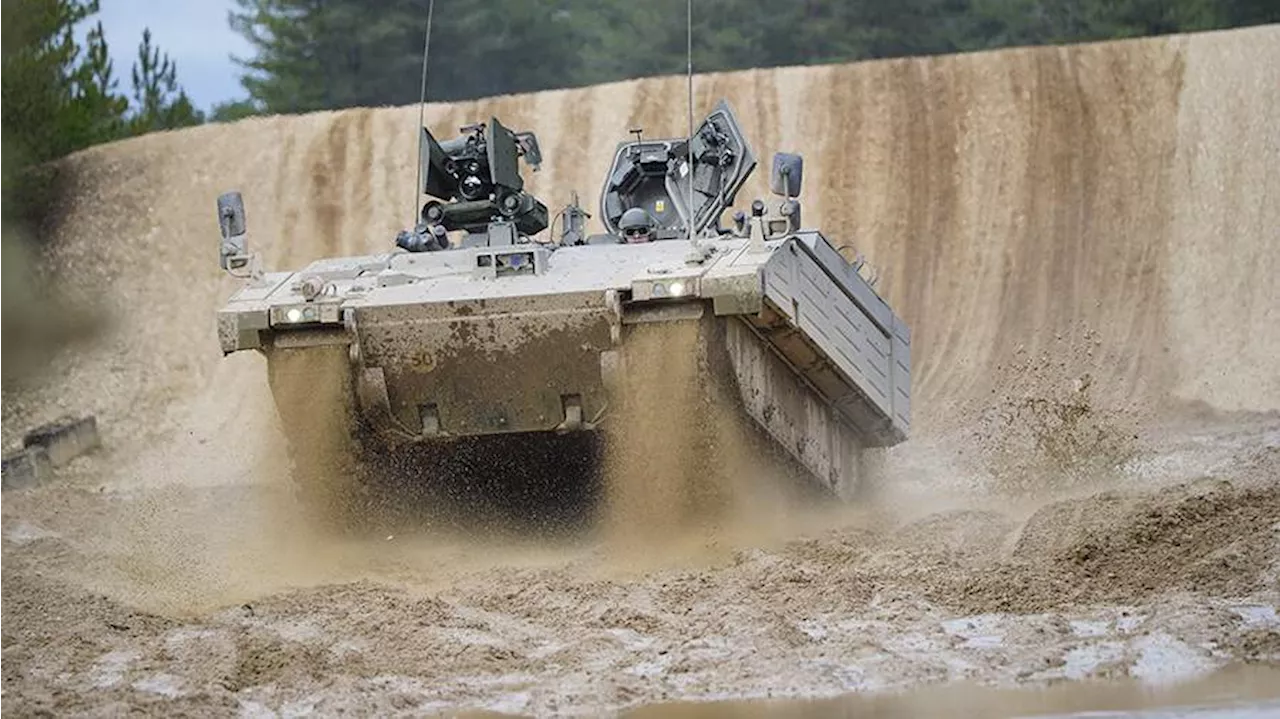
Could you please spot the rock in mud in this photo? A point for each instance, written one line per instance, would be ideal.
(65, 439)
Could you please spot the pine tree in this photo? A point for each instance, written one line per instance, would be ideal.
(101, 107)
(159, 103)
(57, 97)
(319, 54)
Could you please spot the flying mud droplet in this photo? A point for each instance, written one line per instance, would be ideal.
(1057, 436)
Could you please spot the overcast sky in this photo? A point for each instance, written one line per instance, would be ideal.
(194, 33)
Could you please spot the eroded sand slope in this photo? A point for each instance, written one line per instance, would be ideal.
(1037, 216)
(1010, 199)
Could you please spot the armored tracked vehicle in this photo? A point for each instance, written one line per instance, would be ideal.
(486, 354)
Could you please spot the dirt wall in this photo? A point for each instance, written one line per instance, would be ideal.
(1035, 214)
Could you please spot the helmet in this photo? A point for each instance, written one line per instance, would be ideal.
(636, 225)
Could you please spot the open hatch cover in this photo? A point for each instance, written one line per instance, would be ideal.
(655, 175)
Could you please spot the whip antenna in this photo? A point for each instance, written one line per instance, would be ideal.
(689, 144)
(422, 109)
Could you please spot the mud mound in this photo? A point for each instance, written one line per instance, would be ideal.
(971, 533)
(1216, 537)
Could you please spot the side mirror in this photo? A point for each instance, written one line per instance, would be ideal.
(234, 246)
(787, 174)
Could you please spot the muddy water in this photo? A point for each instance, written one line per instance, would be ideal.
(1245, 692)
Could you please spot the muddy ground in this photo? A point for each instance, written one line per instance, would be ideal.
(128, 592)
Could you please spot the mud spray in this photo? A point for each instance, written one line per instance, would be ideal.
(684, 472)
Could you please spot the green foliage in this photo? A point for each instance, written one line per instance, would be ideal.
(234, 110)
(58, 96)
(49, 99)
(318, 54)
(322, 54)
(159, 103)
(1249, 12)
(46, 107)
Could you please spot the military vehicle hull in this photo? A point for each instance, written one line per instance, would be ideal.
(424, 353)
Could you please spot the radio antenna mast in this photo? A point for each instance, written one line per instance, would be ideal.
(689, 143)
(422, 109)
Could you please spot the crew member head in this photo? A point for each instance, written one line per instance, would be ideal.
(636, 226)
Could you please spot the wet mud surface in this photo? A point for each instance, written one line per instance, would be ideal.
(225, 598)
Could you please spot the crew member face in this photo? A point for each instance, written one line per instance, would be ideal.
(636, 234)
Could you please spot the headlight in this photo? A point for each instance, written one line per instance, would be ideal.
(327, 312)
(672, 288)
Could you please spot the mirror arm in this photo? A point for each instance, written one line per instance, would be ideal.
(234, 255)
